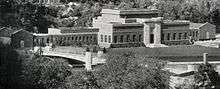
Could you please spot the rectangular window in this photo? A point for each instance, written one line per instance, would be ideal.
(94, 39)
(101, 38)
(197, 33)
(122, 38)
(48, 40)
(134, 38)
(185, 35)
(140, 37)
(72, 38)
(115, 39)
(79, 38)
(174, 36)
(193, 34)
(109, 39)
(87, 38)
(168, 36)
(180, 36)
(76, 38)
(83, 39)
(128, 38)
(162, 37)
(90, 38)
(105, 38)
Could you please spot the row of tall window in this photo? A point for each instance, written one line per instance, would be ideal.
(178, 36)
(79, 38)
(128, 38)
(106, 38)
(73, 38)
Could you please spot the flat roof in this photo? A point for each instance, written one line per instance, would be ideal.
(176, 22)
(131, 11)
(65, 34)
(76, 28)
(126, 24)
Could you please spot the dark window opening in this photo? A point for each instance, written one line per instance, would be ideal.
(109, 39)
(140, 38)
(162, 37)
(185, 36)
(174, 36)
(168, 36)
(151, 38)
(105, 38)
(115, 39)
(83, 39)
(48, 40)
(180, 36)
(122, 38)
(72, 38)
(128, 38)
(76, 38)
(101, 38)
(80, 38)
(87, 38)
(134, 38)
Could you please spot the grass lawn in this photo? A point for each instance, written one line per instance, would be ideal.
(176, 53)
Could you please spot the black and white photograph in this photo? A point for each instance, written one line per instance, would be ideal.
(109, 44)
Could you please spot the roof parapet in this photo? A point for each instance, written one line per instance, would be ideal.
(158, 19)
(132, 11)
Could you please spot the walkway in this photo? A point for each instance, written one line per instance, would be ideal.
(77, 57)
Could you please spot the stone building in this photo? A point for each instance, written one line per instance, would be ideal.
(203, 31)
(119, 28)
(67, 36)
(132, 28)
(22, 39)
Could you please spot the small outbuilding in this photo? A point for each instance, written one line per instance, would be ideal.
(203, 31)
(21, 39)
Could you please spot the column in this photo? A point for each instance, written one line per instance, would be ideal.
(88, 65)
(157, 33)
(146, 34)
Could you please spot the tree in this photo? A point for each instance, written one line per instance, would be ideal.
(8, 13)
(131, 71)
(122, 71)
(45, 73)
(10, 66)
(207, 77)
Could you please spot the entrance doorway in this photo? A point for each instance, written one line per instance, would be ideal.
(151, 38)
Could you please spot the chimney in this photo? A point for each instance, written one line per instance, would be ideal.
(88, 65)
(205, 58)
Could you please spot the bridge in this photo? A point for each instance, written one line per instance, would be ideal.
(78, 58)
